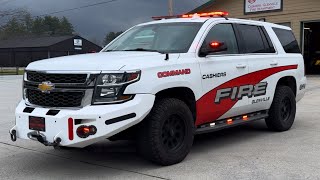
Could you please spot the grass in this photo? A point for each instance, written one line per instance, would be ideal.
(11, 71)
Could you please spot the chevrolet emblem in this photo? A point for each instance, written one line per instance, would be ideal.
(46, 87)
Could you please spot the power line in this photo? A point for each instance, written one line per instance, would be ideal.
(76, 8)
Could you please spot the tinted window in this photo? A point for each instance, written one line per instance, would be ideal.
(252, 39)
(288, 41)
(269, 48)
(223, 33)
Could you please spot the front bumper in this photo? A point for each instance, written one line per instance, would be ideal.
(57, 128)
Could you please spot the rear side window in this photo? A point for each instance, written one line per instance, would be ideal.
(288, 41)
(254, 39)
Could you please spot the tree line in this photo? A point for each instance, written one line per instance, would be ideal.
(23, 24)
(20, 23)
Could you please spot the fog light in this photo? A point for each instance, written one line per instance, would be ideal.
(86, 131)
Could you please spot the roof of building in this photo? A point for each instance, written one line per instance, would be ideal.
(203, 6)
(29, 42)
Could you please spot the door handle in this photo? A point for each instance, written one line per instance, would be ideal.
(241, 66)
(274, 63)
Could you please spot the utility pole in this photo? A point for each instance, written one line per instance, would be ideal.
(170, 7)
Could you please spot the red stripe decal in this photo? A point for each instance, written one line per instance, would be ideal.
(208, 111)
(70, 128)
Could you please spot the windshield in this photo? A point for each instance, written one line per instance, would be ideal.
(163, 38)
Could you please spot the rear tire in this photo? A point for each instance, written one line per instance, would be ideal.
(283, 110)
(166, 135)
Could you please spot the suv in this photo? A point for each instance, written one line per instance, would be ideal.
(162, 82)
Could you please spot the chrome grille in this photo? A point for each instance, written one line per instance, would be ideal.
(55, 99)
(57, 78)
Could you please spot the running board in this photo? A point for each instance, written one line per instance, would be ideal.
(231, 122)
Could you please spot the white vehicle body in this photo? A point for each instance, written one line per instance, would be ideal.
(235, 70)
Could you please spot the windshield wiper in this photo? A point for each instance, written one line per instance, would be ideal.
(144, 50)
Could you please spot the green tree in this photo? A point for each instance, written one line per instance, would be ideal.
(28, 22)
(66, 27)
(110, 37)
(37, 26)
(51, 24)
(23, 24)
(14, 28)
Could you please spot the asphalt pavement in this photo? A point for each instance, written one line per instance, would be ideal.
(247, 152)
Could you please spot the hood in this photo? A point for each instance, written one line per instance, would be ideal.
(104, 61)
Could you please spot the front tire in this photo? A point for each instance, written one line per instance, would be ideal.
(283, 110)
(167, 133)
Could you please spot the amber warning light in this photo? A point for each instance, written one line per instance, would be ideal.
(208, 14)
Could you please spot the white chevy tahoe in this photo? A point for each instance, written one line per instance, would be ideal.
(162, 82)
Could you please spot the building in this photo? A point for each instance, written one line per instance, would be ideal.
(303, 16)
(19, 52)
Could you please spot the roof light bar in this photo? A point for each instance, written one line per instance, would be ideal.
(209, 14)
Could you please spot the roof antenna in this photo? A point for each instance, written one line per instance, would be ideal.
(167, 57)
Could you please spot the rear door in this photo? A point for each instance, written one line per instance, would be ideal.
(263, 63)
(220, 74)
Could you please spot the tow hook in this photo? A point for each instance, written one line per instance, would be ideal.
(13, 135)
(37, 136)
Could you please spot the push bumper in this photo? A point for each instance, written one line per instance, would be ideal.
(108, 120)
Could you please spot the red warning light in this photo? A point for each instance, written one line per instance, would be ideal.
(215, 44)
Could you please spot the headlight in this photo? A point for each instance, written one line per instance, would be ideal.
(110, 87)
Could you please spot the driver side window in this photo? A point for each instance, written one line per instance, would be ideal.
(223, 33)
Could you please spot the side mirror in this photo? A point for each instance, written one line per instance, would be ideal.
(213, 47)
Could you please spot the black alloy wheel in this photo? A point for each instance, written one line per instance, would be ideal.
(173, 132)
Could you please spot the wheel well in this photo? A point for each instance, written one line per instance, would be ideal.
(182, 93)
(289, 81)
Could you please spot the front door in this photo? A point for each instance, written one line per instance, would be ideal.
(221, 77)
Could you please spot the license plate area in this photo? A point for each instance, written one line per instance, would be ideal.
(37, 123)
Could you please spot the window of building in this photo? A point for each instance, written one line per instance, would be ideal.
(223, 33)
(288, 41)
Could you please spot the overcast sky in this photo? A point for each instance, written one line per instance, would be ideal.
(95, 22)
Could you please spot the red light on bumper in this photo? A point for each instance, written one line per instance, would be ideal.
(86, 131)
(70, 129)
